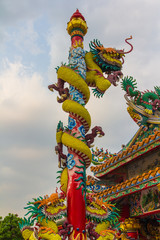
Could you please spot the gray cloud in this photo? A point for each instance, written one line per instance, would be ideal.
(27, 136)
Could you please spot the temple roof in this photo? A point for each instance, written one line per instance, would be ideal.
(138, 146)
(138, 183)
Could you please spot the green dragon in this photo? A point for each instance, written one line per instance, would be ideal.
(144, 107)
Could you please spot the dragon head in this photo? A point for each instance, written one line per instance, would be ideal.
(103, 216)
(108, 59)
(45, 214)
(52, 206)
(104, 66)
(97, 210)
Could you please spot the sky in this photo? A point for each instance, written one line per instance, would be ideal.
(34, 41)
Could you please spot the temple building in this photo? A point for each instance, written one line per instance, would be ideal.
(131, 178)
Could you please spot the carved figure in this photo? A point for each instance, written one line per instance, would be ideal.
(45, 214)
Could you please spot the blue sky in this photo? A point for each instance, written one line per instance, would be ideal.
(34, 41)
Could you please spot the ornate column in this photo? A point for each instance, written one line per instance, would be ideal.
(76, 161)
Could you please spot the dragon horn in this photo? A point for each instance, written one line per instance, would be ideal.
(122, 51)
(126, 40)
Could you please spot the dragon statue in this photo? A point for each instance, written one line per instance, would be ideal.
(45, 216)
(143, 107)
(47, 219)
(100, 156)
(86, 216)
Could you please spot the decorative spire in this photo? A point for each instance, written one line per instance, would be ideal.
(77, 28)
(77, 14)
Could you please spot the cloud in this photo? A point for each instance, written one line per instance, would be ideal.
(58, 50)
(27, 127)
(27, 39)
(20, 10)
(23, 90)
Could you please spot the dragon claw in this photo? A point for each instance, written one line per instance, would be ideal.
(92, 145)
(100, 135)
(62, 98)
